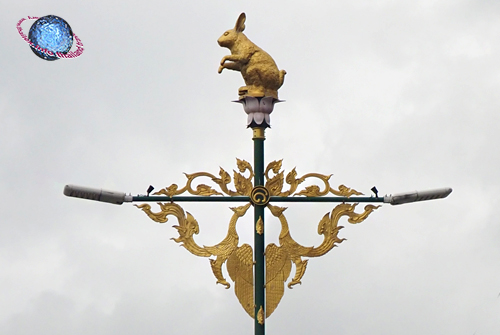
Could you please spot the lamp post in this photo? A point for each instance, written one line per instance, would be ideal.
(259, 273)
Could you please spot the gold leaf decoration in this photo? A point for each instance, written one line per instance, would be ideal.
(278, 267)
(188, 227)
(206, 190)
(223, 181)
(274, 166)
(259, 226)
(275, 184)
(160, 217)
(169, 191)
(243, 166)
(278, 258)
(243, 185)
(310, 191)
(357, 218)
(329, 228)
(279, 262)
(240, 269)
(291, 179)
(260, 316)
(345, 191)
(225, 178)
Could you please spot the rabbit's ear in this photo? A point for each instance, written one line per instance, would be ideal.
(240, 23)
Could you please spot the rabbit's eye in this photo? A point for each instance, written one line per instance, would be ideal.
(226, 33)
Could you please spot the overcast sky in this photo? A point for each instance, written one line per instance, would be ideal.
(402, 95)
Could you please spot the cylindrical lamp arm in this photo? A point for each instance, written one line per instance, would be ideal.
(404, 198)
(96, 194)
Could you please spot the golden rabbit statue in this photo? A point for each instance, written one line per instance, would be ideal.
(261, 75)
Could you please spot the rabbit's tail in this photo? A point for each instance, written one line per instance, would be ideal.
(282, 77)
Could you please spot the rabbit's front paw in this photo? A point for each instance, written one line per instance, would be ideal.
(223, 60)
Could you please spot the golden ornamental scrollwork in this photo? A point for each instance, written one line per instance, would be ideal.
(279, 259)
(239, 259)
(260, 196)
(242, 184)
(275, 183)
(188, 227)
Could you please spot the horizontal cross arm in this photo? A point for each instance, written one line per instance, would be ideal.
(247, 199)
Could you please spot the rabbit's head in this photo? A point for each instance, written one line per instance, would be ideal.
(229, 37)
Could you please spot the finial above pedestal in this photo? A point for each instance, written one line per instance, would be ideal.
(261, 75)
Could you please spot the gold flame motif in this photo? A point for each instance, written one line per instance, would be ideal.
(242, 184)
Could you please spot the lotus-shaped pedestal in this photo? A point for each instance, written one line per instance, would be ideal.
(258, 110)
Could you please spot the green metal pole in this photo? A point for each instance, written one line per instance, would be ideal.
(259, 271)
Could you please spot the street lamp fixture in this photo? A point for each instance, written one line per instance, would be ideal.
(101, 195)
(118, 198)
(260, 272)
(405, 198)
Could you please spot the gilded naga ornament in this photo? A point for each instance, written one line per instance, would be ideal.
(279, 259)
(261, 75)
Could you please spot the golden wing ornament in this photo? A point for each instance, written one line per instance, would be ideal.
(278, 268)
(240, 269)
